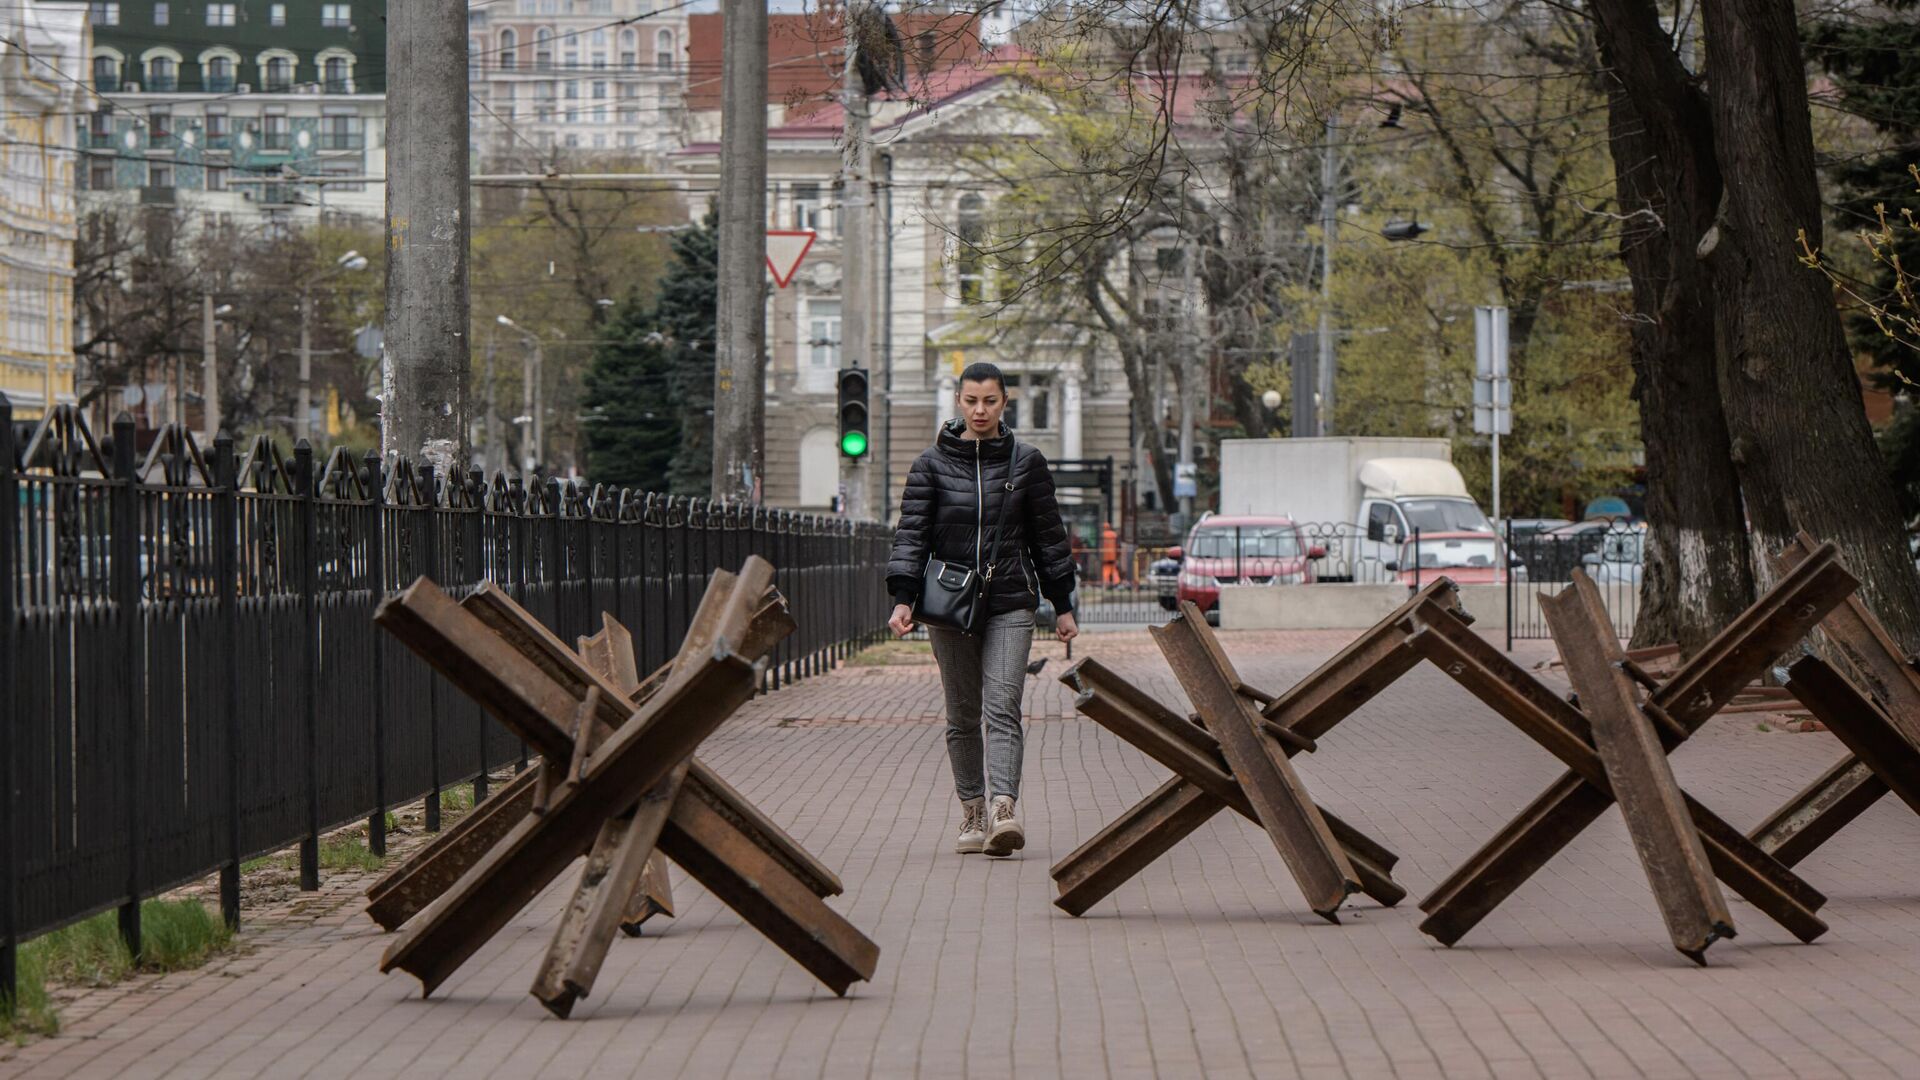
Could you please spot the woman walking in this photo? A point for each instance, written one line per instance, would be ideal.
(980, 499)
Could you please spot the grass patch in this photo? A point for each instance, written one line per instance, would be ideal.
(888, 652)
(349, 852)
(175, 935)
(458, 798)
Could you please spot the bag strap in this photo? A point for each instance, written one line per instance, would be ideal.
(993, 549)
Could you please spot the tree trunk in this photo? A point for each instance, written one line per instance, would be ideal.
(1697, 574)
(1800, 437)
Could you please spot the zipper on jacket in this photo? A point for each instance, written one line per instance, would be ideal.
(979, 508)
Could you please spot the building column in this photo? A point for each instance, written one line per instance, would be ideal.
(1070, 438)
(949, 389)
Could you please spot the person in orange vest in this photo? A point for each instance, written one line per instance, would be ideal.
(1109, 554)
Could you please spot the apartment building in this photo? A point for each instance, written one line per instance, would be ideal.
(248, 111)
(594, 77)
(43, 54)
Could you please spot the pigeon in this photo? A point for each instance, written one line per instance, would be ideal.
(1034, 667)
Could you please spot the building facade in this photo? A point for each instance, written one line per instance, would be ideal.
(936, 310)
(597, 77)
(43, 50)
(249, 112)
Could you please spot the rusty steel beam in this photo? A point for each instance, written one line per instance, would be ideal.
(1298, 830)
(1819, 811)
(1860, 724)
(1109, 859)
(598, 907)
(610, 654)
(1354, 676)
(408, 888)
(1637, 768)
(1573, 802)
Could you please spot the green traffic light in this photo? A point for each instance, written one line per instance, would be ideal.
(853, 443)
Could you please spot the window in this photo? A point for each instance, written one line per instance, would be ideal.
(221, 14)
(1254, 542)
(819, 468)
(160, 129)
(599, 38)
(276, 132)
(1170, 260)
(216, 178)
(160, 175)
(573, 90)
(806, 206)
(1030, 407)
(600, 61)
(336, 16)
(276, 14)
(100, 176)
(279, 74)
(1383, 522)
(100, 129)
(341, 132)
(971, 231)
(106, 74)
(629, 115)
(629, 60)
(663, 50)
(543, 91)
(629, 90)
(161, 15)
(543, 49)
(219, 132)
(543, 113)
(104, 14)
(573, 116)
(163, 77)
(573, 141)
(822, 347)
(509, 50)
(599, 142)
(599, 90)
(629, 49)
(573, 59)
(218, 74)
(336, 75)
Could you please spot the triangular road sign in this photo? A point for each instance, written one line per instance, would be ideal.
(785, 249)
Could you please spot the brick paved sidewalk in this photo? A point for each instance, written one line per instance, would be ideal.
(1207, 964)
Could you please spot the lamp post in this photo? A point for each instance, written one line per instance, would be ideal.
(531, 404)
(303, 412)
(210, 364)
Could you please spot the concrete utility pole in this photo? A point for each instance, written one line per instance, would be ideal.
(1329, 225)
(1190, 367)
(740, 363)
(209, 370)
(424, 372)
(856, 233)
(303, 409)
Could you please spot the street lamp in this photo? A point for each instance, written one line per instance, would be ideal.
(531, 406)
(352, 261)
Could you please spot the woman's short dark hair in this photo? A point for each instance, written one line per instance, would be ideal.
(981, 371)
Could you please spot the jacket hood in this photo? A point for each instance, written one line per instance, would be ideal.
(953, 440)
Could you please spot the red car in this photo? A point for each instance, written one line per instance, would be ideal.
(1467, 558)
(1243, 551)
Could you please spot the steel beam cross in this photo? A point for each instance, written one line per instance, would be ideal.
(1678, 707)
(615, 782)
(1207, 781)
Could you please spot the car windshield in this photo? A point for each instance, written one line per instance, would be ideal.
(1442, 554)
(1256, 542)
(1445, 515)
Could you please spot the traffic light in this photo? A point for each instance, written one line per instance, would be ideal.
(853, 412)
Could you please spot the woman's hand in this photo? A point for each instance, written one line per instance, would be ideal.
(902, 621)
(1066, 627)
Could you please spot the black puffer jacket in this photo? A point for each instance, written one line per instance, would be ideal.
(940, 518)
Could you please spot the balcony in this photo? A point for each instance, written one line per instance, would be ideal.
(342, 140)
(99, 140)
(277, 140)
(157, 196)
(219, 144)
(277, 86)
(106, 84)
(341, 85)
(162, 84)
(220, 84)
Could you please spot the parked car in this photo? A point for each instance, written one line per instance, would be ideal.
(1243, 551)
(1163, 576)
(1620, 558)
(1468, 558)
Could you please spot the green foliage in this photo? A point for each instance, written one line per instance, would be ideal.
(349, 852)
(649, 391)
(174, 934)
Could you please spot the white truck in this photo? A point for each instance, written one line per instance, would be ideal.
(1360, 498)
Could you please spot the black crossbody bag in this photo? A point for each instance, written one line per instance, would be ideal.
(954, 597)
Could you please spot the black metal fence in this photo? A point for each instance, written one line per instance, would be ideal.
(1611, 552)
(190, 671)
